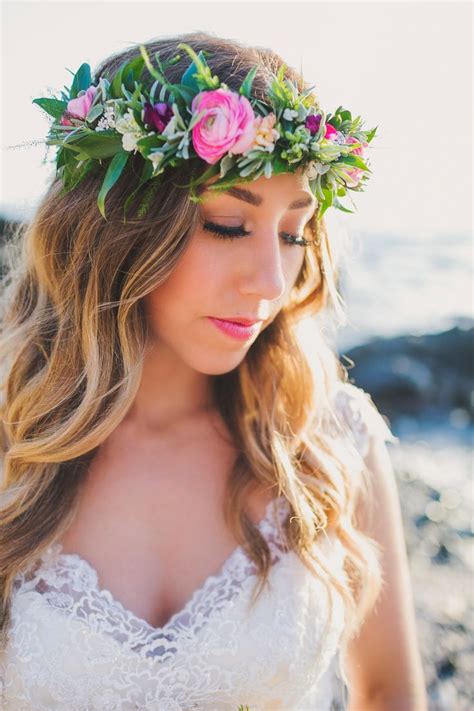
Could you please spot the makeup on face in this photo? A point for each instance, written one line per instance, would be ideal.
(212, 222)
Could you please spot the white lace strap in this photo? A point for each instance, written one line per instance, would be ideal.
(359, 412)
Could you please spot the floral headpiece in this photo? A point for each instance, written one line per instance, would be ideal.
(237, 137)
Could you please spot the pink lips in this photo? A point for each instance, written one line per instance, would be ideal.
(236, 330)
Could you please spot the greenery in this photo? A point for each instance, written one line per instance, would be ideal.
(112, 125)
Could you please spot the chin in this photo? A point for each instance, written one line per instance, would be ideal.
(220, 364)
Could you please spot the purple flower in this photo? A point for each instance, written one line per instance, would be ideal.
(157, 116)
(313, 123)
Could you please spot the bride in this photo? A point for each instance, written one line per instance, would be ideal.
(198, 509)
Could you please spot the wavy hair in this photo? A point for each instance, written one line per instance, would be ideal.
(74, 335)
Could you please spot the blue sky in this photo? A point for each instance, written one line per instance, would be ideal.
(405, 66)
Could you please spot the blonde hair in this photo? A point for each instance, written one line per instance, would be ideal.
(73, 340)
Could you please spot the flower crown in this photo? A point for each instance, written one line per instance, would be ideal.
(235, 136)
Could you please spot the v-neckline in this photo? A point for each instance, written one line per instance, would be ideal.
(55, 552)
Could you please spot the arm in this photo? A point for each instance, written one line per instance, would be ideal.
(383, 663)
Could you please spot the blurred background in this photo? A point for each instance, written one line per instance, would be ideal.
(406, 253)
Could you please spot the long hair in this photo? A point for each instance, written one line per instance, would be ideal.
(74, 334)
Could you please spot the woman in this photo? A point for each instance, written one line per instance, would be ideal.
(198, 509)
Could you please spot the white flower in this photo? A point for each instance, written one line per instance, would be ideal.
(171, 129)
(156, 157)
(129, 141)
(130, 129)
(107, 119)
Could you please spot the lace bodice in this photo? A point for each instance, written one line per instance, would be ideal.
(73, 647)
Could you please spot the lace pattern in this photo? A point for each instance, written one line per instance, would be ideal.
(74, 646)
(70, 584)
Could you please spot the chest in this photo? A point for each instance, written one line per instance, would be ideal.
(150, 519)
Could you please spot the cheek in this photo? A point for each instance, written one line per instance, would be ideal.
(180, 295)
(295, 264)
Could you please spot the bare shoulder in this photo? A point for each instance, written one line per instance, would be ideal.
(386, 666)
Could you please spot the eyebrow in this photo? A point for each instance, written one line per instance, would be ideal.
(254, 199)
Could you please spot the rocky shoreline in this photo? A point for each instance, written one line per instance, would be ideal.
(423, 385)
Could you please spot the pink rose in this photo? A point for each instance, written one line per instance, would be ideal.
(357, 151)
(79, 107)
(226, 127)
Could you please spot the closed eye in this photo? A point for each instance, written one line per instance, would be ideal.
(227, 232)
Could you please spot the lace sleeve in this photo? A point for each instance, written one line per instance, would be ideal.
(359, 412)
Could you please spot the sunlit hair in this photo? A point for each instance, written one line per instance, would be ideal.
(73, 341)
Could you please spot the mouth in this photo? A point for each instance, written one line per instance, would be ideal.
(237, 319)
(239, 328)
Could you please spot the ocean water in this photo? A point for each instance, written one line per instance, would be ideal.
(408, 284)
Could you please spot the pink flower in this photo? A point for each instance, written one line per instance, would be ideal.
(357, 151)
(331, 133)
(313, 123)
(78, 108)
(354, 175)
(226, 127)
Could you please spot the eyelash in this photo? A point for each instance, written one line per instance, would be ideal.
(225, 232)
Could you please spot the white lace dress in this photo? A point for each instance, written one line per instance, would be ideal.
(73, 647)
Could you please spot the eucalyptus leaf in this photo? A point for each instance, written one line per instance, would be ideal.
(94, 113)
(337, 204)
(227, 162)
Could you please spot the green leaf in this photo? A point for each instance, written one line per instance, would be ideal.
(94, 113)
(354, 160)
(246, 86)
(78, 173)
(279, 165)
(208, 173)
(328, 196)
(132, 72)
(127, 74)
(82, 80)
(101, 144)
(114, 171)
(154, 72)
(322, 209)
(188, 79)
(148, 142)
(204, 78)
(185, 92)
(53, 107)
(337, 204)
(148, 197)
(371, 134)
(145, 176)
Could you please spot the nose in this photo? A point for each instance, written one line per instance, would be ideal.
(263, 273)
